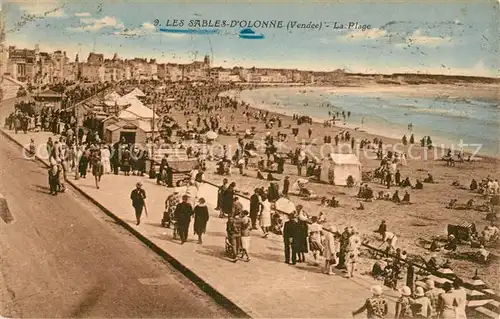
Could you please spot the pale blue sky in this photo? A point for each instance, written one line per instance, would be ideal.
(447, 37)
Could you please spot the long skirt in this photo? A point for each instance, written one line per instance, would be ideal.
(245, 243)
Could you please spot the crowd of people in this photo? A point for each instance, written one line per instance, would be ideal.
(302, 234)
(424, 302)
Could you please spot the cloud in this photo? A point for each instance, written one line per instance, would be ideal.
(93, 24)
(148, 26)
(369, 34)
(418, 38)
(46, 8)
(145, 28)
(82, 14)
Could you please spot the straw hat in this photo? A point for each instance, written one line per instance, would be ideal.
(405, 291)
(419, 292)
(376, 290)
(430, 284)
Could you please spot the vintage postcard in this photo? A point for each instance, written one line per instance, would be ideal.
(268, 159)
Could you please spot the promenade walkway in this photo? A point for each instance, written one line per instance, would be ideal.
(265, 287)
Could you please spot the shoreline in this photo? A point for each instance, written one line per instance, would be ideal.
(364, 132)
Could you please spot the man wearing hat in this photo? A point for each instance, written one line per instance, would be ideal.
(376, 306)
(433, 294)
(421, 307)
(138, 196)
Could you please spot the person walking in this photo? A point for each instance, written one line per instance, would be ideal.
(376, 307)
(97, 168)
(301, 240)
(403, 305)
(433, 294)
(286, 186)
(265, 216)
(220, 196)
(200, 219)
(106, 162)
(32, 149)
(352, 253)
(138, 196)
(227, 200)
(447, 303)
(289, 232)
(330, 249)
(461, 296)
(233, 229)
(255, 207)
(84, 163)
(246, 226)
(315, 244)
(421, 307)
(183, 213)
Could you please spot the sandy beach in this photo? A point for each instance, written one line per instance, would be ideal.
(415, 224)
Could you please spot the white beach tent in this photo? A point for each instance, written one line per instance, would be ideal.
(335, 169)
(127, 100)
(137, 110)
(111, 98)
(136, 92)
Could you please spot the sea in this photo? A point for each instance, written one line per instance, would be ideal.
(470, 124)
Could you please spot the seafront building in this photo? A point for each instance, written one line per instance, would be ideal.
(37, 68)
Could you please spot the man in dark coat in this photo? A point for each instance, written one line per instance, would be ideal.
(137, 196)
(227, 200)
(182, 215)
(220, 196)
(289, 235)
(255, 207)
(286, 186)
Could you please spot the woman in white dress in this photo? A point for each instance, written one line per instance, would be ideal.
(265, 215)
(330, 248)
(105, 154)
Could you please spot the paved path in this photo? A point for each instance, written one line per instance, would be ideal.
(62, 257)
(263, 287)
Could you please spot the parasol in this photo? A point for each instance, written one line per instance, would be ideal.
(211, 135)
(285, 205)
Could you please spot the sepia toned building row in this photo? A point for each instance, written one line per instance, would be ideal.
(39, 68)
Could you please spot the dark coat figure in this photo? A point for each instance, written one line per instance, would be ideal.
(126, 162)
(138, 196)
(54, 180)
(182, 215)
(300, 241)
(397, 177)
(286, 186)
(115, 158)
(84, 164)
(200, 220)
(227, 200)
(220, 194)
(161, 174)
(290, 230)
(255, 208)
